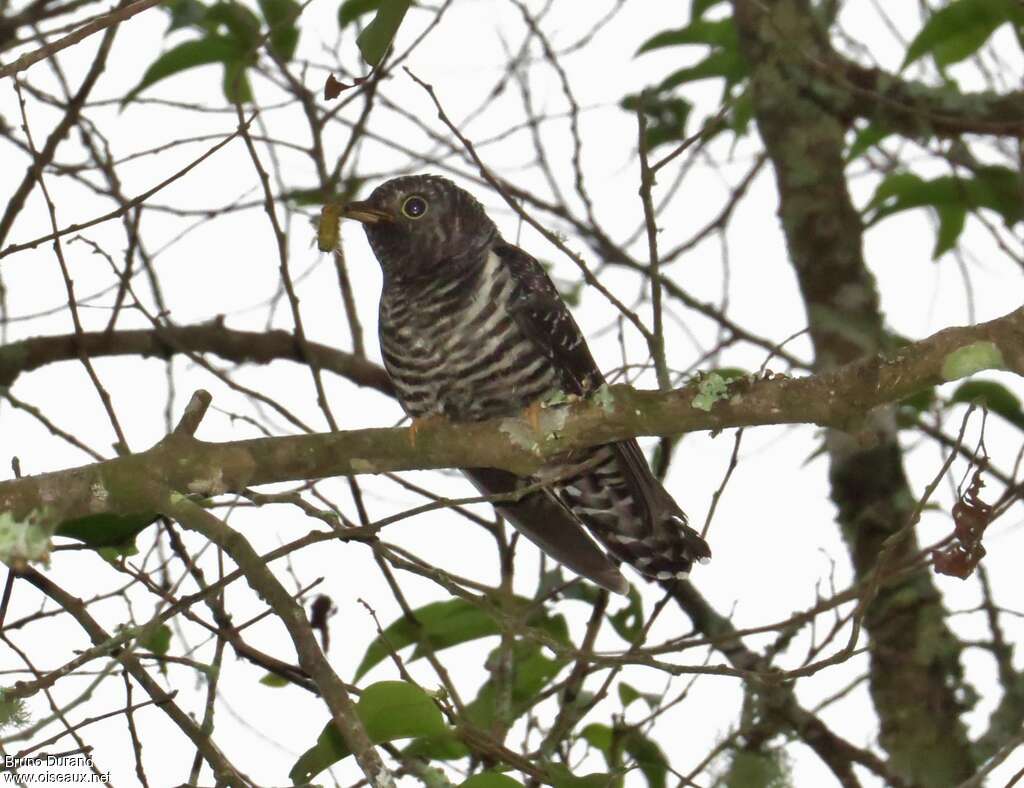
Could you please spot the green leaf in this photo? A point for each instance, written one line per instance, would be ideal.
(351, 10)
(239, 22)
(445, 747)
(561, 777)
(994, 188)
(717, 33)
(994, 396)
(741, 113)
(107, 530)
(389, 710)
(627, 694)
(115, 554)
(629, 620)
(726, 64)
(666, 116)
(865, 139)
(441, 624)
(698, 7)
(909, 409)
(157, 640)
(490, 780)
(601, 737)
(768, 768)
(398, 710)
(531, 672)
(237, 89)
(959, 29)
(644, 752)
(375, 40)
(273, 680)
(328, 750)
(920, 401)
(185, 13)
(648, 756)
(581, 591)
(951, 224)
(901, 191)
(281, 16)
(189, 54)
(998, 189)
(450, 623)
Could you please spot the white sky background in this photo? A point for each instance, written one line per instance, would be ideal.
(773, 535)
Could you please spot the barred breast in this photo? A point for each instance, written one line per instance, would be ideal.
(453, 347)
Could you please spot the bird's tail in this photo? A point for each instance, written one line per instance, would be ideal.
(632, 515)
(667, 552)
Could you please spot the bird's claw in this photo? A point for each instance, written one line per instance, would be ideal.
(419, 423)
(532, 413)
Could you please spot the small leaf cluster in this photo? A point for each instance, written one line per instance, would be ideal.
(667, 112)
(376, 38)
(535, 652)
(951, 198)
(230, 34)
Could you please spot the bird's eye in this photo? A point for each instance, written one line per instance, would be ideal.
(414, 207)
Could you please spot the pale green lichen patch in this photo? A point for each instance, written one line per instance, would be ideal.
(211, 485)
(13, 712)
(99, 494)
(712, 388)
(554, 397)
(359, 465)
(26, 539)
(520, 433)
(972, 358)
(604, 398)
(552, 420)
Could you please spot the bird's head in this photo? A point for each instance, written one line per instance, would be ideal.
(423, 226)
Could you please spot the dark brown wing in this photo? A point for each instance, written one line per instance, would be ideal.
(542, 315)
(548, 524)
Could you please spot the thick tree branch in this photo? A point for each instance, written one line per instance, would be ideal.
(849, 90)
(912, 108)
(840, 398)
(916, 676)
(779, 699)
(241, 347)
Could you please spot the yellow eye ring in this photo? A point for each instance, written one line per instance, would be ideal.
(414, 207)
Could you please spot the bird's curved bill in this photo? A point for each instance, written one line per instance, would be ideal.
(361, 211)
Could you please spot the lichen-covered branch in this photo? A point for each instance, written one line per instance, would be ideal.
(911, 108)
(32, 506)
(915, 676)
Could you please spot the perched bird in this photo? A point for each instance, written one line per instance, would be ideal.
(472, 328)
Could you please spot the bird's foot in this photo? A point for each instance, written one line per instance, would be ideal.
(420, 422)
(533, 414)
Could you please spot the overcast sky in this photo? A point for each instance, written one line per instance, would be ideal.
(773, 536)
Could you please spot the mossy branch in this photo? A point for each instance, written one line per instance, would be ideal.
(839, 399)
